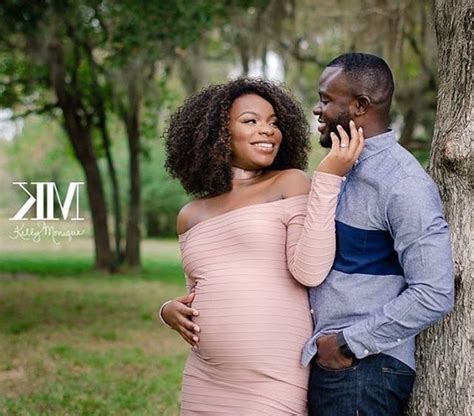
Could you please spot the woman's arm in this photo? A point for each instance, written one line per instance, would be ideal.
(177, 313)
(311, 238)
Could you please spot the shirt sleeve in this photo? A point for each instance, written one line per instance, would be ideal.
(311, 234)
(414, 217)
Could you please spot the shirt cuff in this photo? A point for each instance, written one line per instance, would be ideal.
(327, 178)
(361, 349)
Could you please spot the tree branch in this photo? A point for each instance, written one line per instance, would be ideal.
(295, 51)
(47, 108)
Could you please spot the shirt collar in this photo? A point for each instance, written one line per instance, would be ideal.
(376, 144)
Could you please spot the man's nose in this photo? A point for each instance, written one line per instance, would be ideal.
(317, 109)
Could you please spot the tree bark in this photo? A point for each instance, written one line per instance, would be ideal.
(117, 210)
(444, 351)
(132, 249)
(131, 118)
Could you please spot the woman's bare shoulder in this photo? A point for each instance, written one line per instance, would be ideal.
(187, 216)
(293, 182)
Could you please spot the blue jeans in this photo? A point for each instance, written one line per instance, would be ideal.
(378, 385)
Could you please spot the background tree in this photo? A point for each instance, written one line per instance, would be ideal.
(88, 58)
(45, 69)
(444, 351)
(142, 37)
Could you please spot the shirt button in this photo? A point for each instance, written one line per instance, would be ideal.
(357, 161)
(399, 340)
(366, 352)
(344, 178)
(312, 311)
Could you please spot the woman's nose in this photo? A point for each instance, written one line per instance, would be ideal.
(266, 129)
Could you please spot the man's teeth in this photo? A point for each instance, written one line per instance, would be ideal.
(264, 145)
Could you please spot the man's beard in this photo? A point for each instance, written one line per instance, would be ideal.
(331, 126)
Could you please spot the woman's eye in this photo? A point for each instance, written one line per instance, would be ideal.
(249, 121)
(274, 124)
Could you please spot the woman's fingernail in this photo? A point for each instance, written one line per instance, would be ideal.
(351, 123)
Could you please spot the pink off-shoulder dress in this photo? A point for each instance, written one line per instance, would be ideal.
(249, 267)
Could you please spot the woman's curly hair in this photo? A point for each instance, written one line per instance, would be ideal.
(198, 139)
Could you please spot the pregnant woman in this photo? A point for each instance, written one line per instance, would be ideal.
(250, 242)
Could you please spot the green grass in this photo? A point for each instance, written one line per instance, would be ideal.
(45, 266)
(163, 270)
(75, 342)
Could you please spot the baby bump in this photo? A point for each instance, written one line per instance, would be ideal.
(246, 326)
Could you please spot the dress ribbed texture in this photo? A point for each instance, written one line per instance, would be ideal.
(254, 315)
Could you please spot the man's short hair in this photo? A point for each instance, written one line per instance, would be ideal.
(370, 73)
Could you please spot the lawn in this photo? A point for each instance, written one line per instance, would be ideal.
(75, 342)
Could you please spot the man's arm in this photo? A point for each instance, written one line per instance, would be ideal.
(421, 238)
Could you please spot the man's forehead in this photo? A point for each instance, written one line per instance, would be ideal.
(332, 77)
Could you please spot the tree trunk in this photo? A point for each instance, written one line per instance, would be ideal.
(78, 130)
(82, 144)
(101, 114)
(103, 255)
(409, 123)
(132, 248)
(191, 68)
(117, 210)
(444, 351)
(244, 52)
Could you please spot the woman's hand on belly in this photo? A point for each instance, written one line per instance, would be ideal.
(178, 315)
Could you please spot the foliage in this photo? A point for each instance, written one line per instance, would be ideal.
(41, 152)
(88, 59)
(168, 49)
(163, 197)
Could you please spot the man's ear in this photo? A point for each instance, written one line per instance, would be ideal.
(362, 105)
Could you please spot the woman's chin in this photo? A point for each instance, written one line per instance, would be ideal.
(262, 161)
